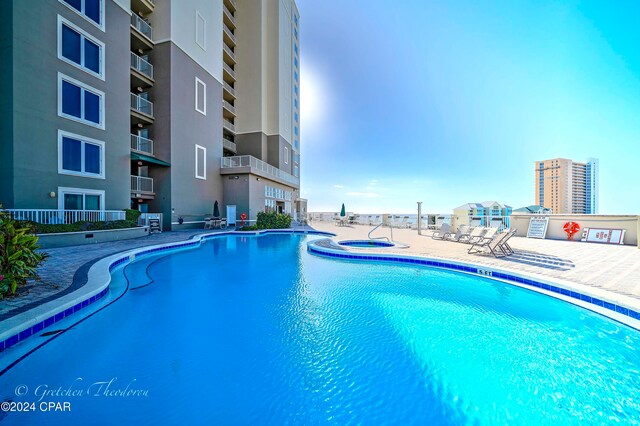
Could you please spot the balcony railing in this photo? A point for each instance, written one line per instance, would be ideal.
(229, 107)
(229, 51)
(141, 184)
(231, 146)
(254, 163)
(230, 70)
(229, 15)
(228, 88)
(143, 27)
(228, 125)
(138, 143)
(139, 64)
(48, 216)
(141, 105)
(230, 33)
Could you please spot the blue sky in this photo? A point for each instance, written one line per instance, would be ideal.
(449, 102)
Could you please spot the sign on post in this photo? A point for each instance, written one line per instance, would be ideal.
(538, 227)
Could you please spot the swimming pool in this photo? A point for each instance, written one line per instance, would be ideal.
(252, 330)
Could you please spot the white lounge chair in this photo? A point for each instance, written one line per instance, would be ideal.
(443, 232)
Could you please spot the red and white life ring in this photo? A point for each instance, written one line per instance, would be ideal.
(571, 228)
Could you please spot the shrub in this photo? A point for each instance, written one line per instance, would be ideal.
(18, 257)
(42, 228)
(273, 220)
(132, 215)
(249, 228)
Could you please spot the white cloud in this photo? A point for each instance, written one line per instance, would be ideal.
(338, 186)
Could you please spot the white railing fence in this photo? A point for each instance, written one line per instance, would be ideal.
(141, 65)
(141, 184)
(254, 163)
(51, 216)
(138, 143)
(141, 105)
(142, 26)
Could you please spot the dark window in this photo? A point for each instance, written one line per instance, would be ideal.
(92, 202)
(92, 10)
(76, 4)
(71, 45)
(71, 103)
(91, 107)
(91, 158)
(72, 201)
(71, 154)
(92, 56)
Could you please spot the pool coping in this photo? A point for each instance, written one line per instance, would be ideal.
(596, 300)
(25, 324)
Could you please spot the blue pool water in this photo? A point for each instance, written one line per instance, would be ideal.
(365, 243)
(254, 330)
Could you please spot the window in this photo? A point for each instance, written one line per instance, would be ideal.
(201, 162)
(295, 88)
(295, 48)
(295, 62)
(286, 155)
(80, 199)
(92, 10)
(295, 75)
(201, 31)
(296, 144)
(80, 156)
(80, 49)
(295, 31)
(201, 97)
(296, 171)
(79, 102)
(295, 103)
(295, 130)
(295, 116)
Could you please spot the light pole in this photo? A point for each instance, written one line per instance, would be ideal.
(419, 217)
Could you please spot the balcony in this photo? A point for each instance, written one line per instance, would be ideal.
(228, 36)
(229, 19)
(141, 185)
(226, 124)
(142, 66)
(142, 107)
(229, 146)
(229, 89)
(232, 4)
(228, 54)
(140, 144)
(250, 164)
(229, 75)
(142, 31)
(227, 106)
(143, 6)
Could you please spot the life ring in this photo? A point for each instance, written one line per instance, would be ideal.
(243, 217)
(571, 228)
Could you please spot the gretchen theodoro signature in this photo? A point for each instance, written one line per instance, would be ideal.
(80, 387)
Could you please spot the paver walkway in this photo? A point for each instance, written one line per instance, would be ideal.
(612, 268)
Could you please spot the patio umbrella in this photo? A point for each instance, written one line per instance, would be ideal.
(216, 209)
(343, 213)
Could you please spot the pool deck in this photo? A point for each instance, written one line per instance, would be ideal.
(603, 269)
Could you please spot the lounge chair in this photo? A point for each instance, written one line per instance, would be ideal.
(504, 246)
(462, 230)
(489, 234)
(489, 246)
(208, 223)
(443, 232)
(474, 236)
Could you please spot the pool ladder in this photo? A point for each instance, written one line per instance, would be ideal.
(380, 238)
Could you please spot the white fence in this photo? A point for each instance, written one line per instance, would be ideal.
(142, 105)
(254, 163)
(429, 221)
(48, 216)
(141, 184)
(142, 26)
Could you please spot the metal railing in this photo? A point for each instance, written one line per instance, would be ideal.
(138, 143)
(50, 216)
(228, 69)
(143, 27)
(141, 105)
(139, 64)
(254, 163)
(230, 33)
(228, 125)
(141, 184)
(228, 88)
(228, 106)
(229, 51)
(229, 15)
(231, 146)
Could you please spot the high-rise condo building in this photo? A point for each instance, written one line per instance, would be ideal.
(164, 106)
(566, 186)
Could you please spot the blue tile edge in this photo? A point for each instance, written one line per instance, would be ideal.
(460, 267)
(129, 257)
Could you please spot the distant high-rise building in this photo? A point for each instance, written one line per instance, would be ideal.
(566, 186)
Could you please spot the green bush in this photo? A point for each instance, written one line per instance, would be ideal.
(132, 215)
(273, 220)
(18, 257)
(42, 228)
(249, 228)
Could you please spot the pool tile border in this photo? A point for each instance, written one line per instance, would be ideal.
(549, 289)
(31, 324)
